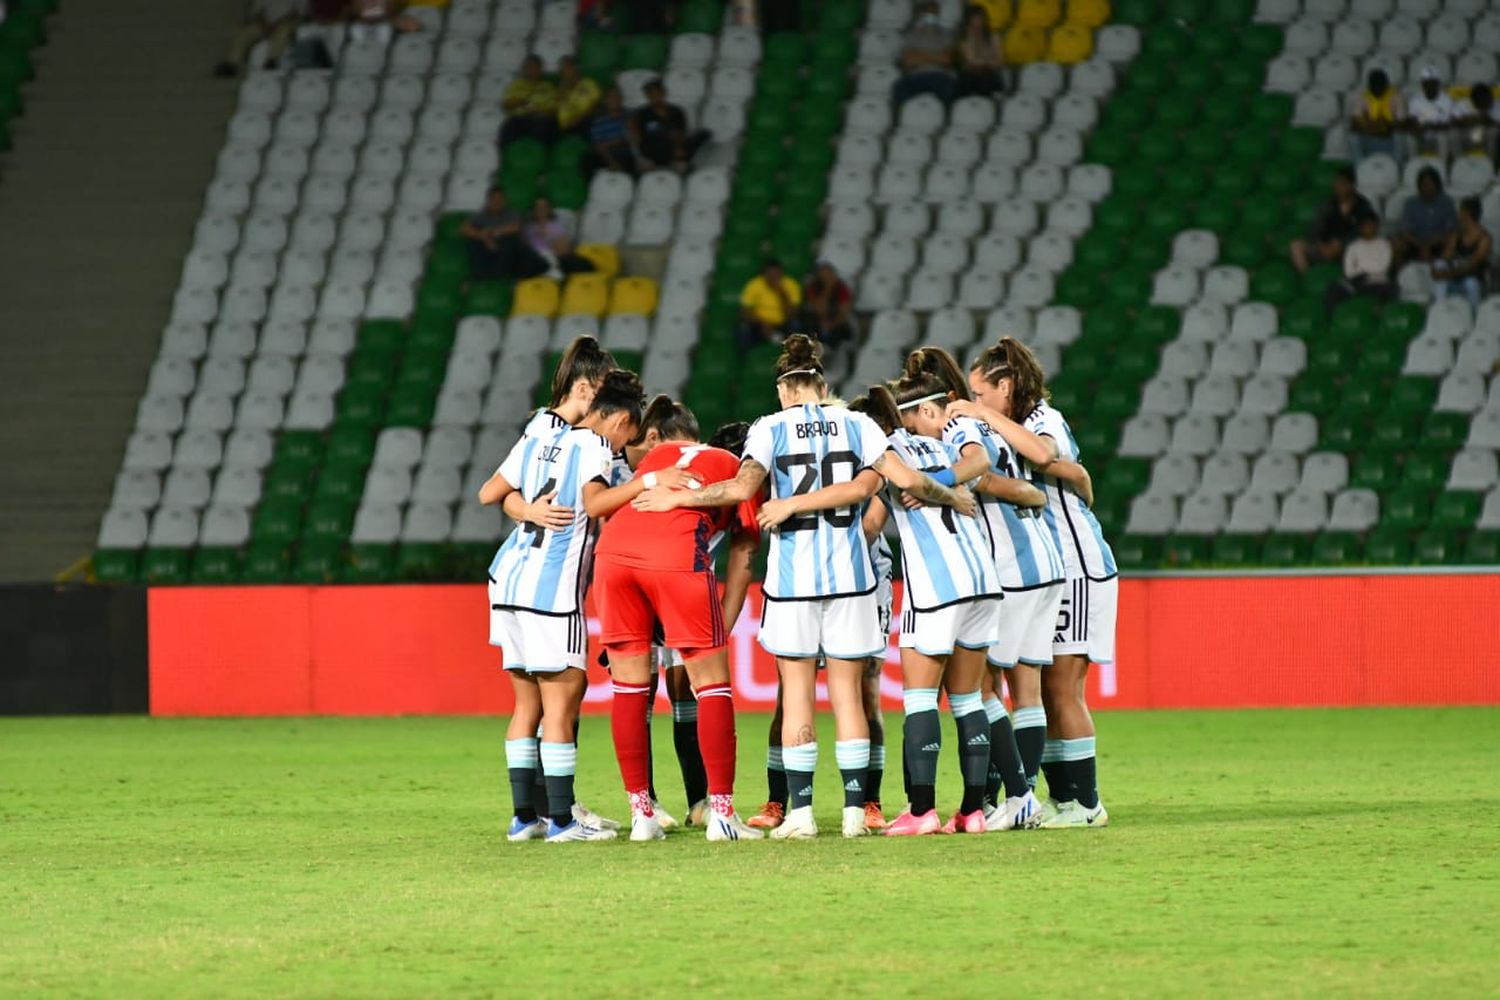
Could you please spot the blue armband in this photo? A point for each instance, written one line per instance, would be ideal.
(944, 477)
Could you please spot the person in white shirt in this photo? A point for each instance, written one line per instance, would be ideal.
(1367, 265)
(273, 20)
(1429, 114)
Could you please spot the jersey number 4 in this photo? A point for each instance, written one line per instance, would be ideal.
(811, 474)
(538, 533)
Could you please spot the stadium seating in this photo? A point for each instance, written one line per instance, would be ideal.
(22, 31)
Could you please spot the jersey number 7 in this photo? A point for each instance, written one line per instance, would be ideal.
(811, 474)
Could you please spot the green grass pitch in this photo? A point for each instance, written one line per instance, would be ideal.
(1306, 853)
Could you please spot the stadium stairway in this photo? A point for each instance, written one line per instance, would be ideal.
(96, 210)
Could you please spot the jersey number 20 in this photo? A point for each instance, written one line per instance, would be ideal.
(813, 474)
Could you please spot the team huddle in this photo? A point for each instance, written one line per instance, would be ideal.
(1006, 575)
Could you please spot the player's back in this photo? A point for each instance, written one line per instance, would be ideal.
(674, 539)
(1079, 538)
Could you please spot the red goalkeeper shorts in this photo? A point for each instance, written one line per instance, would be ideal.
(632, 602)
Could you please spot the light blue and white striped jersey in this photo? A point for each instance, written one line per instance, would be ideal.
(1079, 538)
(882, 560)
(541, 570)
(945, 556)
(803, 449)
(1025, 549)
(620, 471)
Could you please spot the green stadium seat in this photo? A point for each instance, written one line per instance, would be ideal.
(1301, 144)
(369, 564)
(1457, 510)
(1379, 359)
(1445, 430)
(1184, 12)
(385, 337)
(266, 563)
(1157, 148)
(1244, 249)
(1138, 13)
(1336, 548)
(350, 447)
(489, 298)
(1394, 430)
(1414, 394)
(420, 561)
(1483, 549)
(361, 404)
(1304, 319)
(1168, 41)
(1375, 470)
(701, 17)
(1388, 547)
(1275, 283)
(318, 562)
(1406, 508)
(598, 54)
(1438, 546)
(328, 519)
(1314, 392)
(1287, 550)
(1127, 477)
(1425, 471)
(1108, 148)
(1178, 110)
(1317, 279)
(1186, 551)
(277, 522)
(1234, 180)
(165, 566)
(1343, 431)
(214, 565)
(1137, 551)
(1236, 550)
(1258, 42)
(117, 565)
(1078, 288)
(287, 483)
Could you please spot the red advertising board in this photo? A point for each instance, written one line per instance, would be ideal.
(1183, 642)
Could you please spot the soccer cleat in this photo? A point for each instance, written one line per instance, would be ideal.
(729, 827)
(587, 816)
(874, 818)
(961, 822)
(576, 831)
(666, 819)
(907, 825)
(1049, 808)
(798, 825)
(1071, 815)
(854, 822)
(770, 816)
(698, 813)
(1020, 812)
(643, 827)
(522, 830)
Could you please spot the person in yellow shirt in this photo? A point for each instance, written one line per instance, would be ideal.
(1374, 113)
(530, 105)
(768, 306)
(577, 96)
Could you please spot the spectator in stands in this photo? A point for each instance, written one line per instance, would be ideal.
(378, 20)
(1466, 257)
(768, 306)
(979, 60)
(828, 305)
(497, 246)
(660, 132)
(1476, 118)
(552, 239)
(1335, 224)
(1429, 114)
(530, 105)
(609, 137)
(1426, 220)
(577, 96)
(1374, 114)
(926, 58)
(272, 20)
(1367, 265)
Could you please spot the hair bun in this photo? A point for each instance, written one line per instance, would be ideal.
(803, 352)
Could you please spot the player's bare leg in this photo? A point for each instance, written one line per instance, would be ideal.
(709, 674)
(562, 694)
(875, 719)
(685, 742)
(962, 677)
(1072, 743)
(522, 758)
(631, 674)
(922, 739)
(799, 745)
(852, 735)
(774, 811)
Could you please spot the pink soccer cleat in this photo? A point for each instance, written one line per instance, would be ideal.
(966, 822)
(907, 825)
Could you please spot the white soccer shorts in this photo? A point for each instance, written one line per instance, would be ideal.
(971, 624)
(665, 658)
(1028, 621)
(839, 628)
(1086, 619)
(539, 644)
(886, 599)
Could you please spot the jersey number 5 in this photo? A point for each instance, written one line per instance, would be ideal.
(812, 474)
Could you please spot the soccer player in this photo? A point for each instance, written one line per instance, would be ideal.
(820, 585)
(536, 584)
(655, 573)
(1011, 396)
(884, 565)
(1031, 575)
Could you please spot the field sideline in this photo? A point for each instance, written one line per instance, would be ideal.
(1252, 853)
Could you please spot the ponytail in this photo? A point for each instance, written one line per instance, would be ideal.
(940, 365)
(880, 406)
(584, 361)
(918, 385)
(670, 419)
(1013, 360)
(620, 392)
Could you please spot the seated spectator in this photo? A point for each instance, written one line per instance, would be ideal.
(978, 56)
(1429, 114)
(273, 20)
(530, 105)
(1367, 265)
(926, 58)
(768, 306)
(828, 305)
(660, 132)
(577, 96)
(1374, 114)
(1466, 257)
(1426, 220)
(551, 238)
(609, 137)
(1335, 224)
(497, 247)
(378, 20)
(1476, 117)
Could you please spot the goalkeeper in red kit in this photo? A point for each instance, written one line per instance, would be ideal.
(654, 582)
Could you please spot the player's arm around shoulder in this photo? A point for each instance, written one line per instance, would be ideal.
(742, 487)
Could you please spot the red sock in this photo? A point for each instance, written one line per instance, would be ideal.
(628, 721)
(716, 739)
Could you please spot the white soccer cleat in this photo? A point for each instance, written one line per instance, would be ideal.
(1020, 812)
(666, 819)
(1050, 806)
(521, 830)
(798, 825)
(698, 813)
(731, 827)
(643, 828)
(854, 822)
(576, 831)
(1072, 815)
(584, 814)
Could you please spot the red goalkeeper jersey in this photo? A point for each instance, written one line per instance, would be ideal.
(685, 538)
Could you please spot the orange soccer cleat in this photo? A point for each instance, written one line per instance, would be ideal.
(769, 818)
(874, 818)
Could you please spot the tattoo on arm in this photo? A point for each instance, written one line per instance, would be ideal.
(931, 491)
(715, 494)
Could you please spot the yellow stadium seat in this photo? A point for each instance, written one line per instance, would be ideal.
(585, 295)
(605, 258)
(633, 296)
(1070, 44)
(536, 297)
(1087, 13)
(1037, 13)
(1024, 45)
(997, 12)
